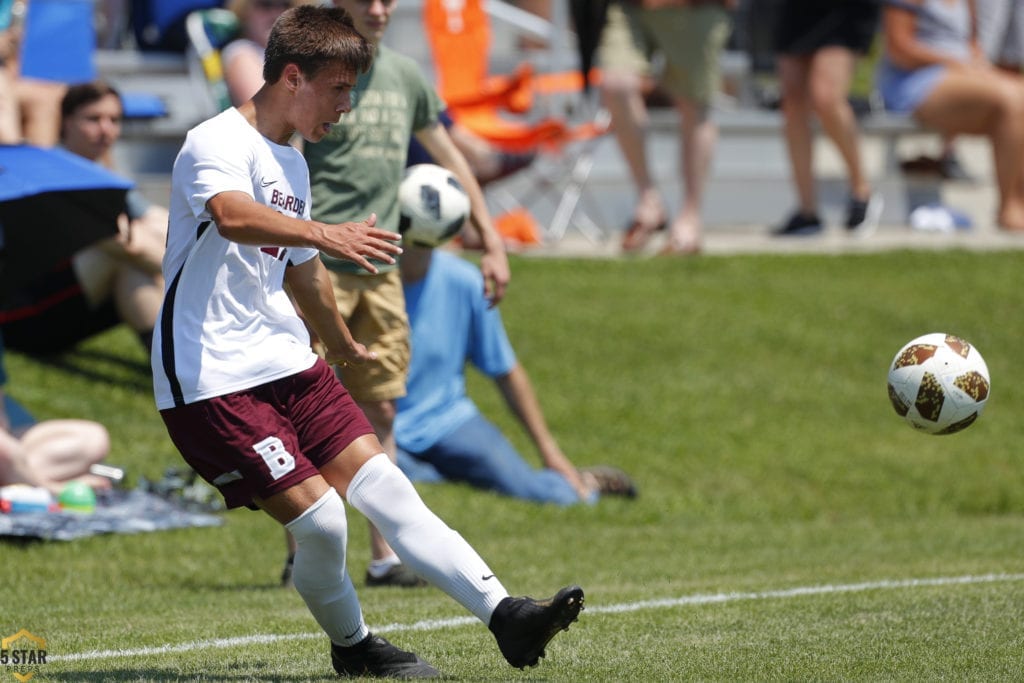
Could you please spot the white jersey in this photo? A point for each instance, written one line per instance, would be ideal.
(226, 323)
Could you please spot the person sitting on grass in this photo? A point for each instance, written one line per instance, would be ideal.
(50, 453)
(440, 432)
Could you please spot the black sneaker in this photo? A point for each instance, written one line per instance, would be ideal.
(951, 169)
(397, 575)
(611, 481)
(862, 215)
(523, 626)
(799, 225)
(374, 656)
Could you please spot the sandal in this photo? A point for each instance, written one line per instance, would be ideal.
(637, 235)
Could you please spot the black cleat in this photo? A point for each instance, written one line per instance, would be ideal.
(376, 657)
(397, 575)
(523, 626)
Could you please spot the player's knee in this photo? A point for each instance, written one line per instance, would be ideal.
(321, 535)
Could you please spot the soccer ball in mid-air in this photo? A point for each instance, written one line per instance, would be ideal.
(939, 383)
(434, 205)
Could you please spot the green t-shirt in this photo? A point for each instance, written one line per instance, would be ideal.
(356, 169)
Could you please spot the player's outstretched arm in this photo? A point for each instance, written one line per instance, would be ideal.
(240, 219)
(310, 287)
(521, 399)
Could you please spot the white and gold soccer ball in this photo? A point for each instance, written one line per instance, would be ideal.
(939, 383)
(433, 203)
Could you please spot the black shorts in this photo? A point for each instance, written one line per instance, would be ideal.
(52, 315)
(806, 26)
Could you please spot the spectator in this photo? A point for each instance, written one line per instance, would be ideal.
(250, 406)
(440, 432)
(49, 453)
(817, 44)
(355, 170)
(116, 280)
(1000, 30)
(29, 107)
(57, 44)
(690, 37)
(934, 69)
(242, 58)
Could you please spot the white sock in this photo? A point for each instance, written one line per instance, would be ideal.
(319, 572)
(379, 568)
(431, 549)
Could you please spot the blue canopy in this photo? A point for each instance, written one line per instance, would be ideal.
(52, 204)
(26, 170)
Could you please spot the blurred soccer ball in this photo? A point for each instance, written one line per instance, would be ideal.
(939, 383)
(433, 203)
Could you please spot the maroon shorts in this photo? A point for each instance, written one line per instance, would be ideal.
(261, 441)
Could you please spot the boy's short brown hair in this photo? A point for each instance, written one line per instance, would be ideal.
(311, 37)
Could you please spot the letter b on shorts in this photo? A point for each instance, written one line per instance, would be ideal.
(278, 459)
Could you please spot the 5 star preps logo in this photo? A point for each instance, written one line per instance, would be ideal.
(22, 654)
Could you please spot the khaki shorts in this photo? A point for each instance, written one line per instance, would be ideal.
(689, 39)
(374, 308)
(624, 46)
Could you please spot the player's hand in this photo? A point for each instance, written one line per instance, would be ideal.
(497, 274)
(360, 242)
(357, 354)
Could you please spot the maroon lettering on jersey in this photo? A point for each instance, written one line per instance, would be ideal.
(288, 203)
(276, 252)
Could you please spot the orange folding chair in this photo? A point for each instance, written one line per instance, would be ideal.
(503, 109)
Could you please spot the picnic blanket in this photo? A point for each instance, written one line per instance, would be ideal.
(117, 512)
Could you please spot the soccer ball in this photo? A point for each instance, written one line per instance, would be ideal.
(433, 204)
(939, 383)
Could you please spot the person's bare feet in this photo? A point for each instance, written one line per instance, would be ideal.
(683, 238)
(1011, 218)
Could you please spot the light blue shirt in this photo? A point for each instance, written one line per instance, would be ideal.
(451, 324)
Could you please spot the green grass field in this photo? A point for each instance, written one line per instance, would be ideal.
(790, 525)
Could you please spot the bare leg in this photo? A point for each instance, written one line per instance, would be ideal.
(13, 469)
(127, 268)
(40, 107)
(794, 73)
(969, 101)
(622, 96)
(138, 297)
(10, 115)
(831, 71)
(699, 135)
(57, 451)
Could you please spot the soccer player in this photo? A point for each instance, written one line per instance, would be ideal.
(246, 401)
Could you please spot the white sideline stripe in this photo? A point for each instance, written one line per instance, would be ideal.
(435, 624)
